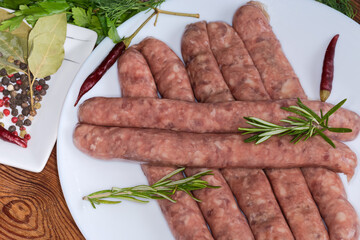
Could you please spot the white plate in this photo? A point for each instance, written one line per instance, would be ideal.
(304, 29)
(78, 45)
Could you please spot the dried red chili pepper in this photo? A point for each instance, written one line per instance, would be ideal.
(117, 51)
(328, 70)
(9, 137)
(109, 60)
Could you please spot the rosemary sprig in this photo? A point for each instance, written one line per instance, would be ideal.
(162, 189)
(306, 125)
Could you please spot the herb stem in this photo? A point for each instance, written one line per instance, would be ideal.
(128, 40)
(196, 15)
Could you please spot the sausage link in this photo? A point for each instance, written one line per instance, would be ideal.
(255, 197)
(235, 63)
(183, 217)
(220, 208)
(134, 75)
(200, 117)
(297, 204)
(169, 73)
(164, 147)
(205, 76)
(253, 27)
(328, 191)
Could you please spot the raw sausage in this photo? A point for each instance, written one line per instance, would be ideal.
(164, 147)
(297, 203)
(205, 76)
(169, 73)
(134, 75)
(235, 63)
(200, 117)
(328, 191)
(252, 25)
(255, 197)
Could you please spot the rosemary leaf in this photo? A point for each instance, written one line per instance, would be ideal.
(307, 109)
(333, 109)
(340, 130)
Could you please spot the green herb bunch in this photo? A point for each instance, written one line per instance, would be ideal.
(162, 189)
(102, 16)
(344, 6)
(306, 125)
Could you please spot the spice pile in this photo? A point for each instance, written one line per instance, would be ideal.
(15, 100)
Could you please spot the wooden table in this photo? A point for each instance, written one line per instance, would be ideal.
(32, 205)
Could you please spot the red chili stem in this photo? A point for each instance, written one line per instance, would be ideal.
(328, 68)
(109, 60)
(9, 137)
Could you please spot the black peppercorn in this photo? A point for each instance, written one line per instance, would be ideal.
(27, 122)
(19, 123)
(15, 112)
(41, 82)
(3, 72)
(6, 92)
(13, 79)
(12, 128)
(25, 112)
(5, 81)
(23, 66)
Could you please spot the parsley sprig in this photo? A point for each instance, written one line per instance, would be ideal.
(162, 189)
(307, 124)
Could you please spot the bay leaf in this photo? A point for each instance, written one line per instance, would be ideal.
(46, 45)
(10, 46)
(22, 32)
(9, 67)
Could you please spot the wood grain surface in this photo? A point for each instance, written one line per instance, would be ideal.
(32, 205)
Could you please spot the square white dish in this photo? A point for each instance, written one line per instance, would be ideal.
(79, 44)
